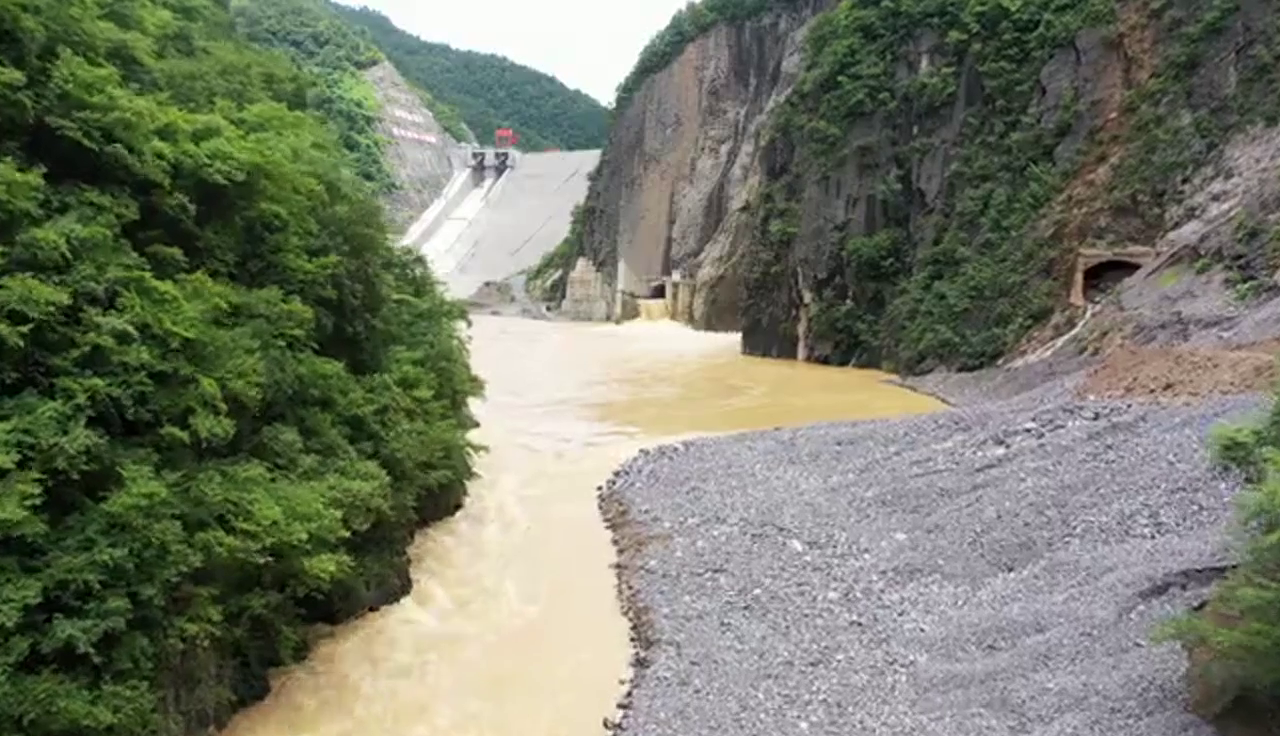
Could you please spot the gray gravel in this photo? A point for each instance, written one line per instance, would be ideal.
(983, 571)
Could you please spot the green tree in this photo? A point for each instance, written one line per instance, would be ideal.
(227, 400)
(1240, 629)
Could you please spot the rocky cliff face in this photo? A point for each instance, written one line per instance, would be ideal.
(909, 188)
(421, 156)
(682, 164)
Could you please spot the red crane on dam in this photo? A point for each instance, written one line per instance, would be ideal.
(505, 138)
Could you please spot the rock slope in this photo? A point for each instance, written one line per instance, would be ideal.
(421, 155)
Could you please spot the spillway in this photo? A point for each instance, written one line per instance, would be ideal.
(488, 226)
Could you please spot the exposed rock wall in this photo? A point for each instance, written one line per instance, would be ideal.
(681, 184)
(682, 163)
(1079, 89)
(422, 157)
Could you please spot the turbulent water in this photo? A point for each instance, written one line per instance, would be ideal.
(512, 628)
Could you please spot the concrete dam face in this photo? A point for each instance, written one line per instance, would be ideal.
(493, 221)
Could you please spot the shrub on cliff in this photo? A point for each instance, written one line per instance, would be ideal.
(1236, 641)
(549, 277)
(227, 400)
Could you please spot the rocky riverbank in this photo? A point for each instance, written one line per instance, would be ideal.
(996, 568)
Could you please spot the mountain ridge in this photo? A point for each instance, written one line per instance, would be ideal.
(490, 91)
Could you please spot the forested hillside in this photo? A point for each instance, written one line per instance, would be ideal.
(491, 91)
(333, 53)
(318, 38)
(228, 401)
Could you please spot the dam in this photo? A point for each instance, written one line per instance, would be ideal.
(513, 626)
(495, 221)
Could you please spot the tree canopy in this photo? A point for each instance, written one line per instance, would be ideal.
(226, 401)
(308, 28)
(489, 90)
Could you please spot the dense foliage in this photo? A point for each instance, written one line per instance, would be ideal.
(225, 400)
(335, 53)
(685, 26)
(1240, 629)
(309, 30)
(491, 91)
(318, 37)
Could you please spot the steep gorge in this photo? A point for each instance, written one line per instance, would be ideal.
(906, 185)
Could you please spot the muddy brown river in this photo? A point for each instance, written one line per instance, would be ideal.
(512, 628)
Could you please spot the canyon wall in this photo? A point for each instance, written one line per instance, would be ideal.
(908, 187)
(682, 164)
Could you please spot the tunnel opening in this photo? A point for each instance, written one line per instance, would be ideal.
(1101, 279)
(657, 291)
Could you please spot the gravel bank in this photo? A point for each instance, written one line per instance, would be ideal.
(988, 570)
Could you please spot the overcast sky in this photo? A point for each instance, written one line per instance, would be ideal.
(588, 44)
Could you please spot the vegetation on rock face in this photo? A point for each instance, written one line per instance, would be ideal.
(1169, 137)
(1183, 115)
(914, 286)
(958, 285)
(548, 278)
(685, 26)
(490, 91)
(1235, 642)
(228, 401)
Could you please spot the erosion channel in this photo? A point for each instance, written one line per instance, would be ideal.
(513, 627)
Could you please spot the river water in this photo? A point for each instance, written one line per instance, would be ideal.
(512, 628)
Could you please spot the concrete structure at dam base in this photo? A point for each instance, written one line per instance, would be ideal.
(589, 297)
(585, 294)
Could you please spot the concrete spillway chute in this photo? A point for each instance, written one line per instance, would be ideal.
(500, 217)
